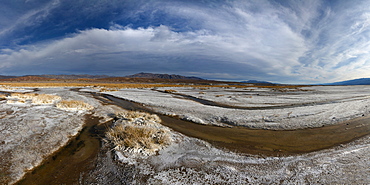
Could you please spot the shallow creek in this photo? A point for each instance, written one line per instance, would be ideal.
(69, 165)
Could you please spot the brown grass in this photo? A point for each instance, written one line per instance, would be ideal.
(170, 91)
(11, 101)
(138, 132)
(132, 116)
(137, 137)
(36, 98)
(45, 99)
(104, 89)
(74, 104)
(23, 96)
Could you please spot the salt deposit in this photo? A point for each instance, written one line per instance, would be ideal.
(309, 107)
(30, 132)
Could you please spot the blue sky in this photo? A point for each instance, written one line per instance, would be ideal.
(308, 41)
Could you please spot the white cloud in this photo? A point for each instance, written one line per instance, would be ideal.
(124, 46)
(302, 41)
(339, 48)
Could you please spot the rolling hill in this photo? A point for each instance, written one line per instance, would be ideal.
(163, 76)
(256, 82)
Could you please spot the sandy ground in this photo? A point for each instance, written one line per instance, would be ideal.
(29, 133)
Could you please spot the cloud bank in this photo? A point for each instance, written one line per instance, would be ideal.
(289, 42)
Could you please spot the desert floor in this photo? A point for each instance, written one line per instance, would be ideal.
(218, 135)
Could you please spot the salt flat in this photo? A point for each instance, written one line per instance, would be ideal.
(191, 161)
(29, 133)
(306, 107)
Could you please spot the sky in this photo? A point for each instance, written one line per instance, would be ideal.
(284, 41)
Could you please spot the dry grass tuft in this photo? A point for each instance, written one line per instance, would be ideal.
(138, 138)
(11, 101)
(74, 105)
(2, 96)
(104, 89)
(170, 91)
(45, 99)
(140, 118)
(23, 96)
(138, 132)
(9, 88)
(36, 98)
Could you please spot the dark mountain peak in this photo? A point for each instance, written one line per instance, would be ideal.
(163, 76)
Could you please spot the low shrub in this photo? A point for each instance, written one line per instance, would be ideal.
(11, 101)
(140, 118)
(134, 137)
(45, 99)
(170, 91)
(104, 89)
(74, 105)
(23, 96)
(36, 98)
(138, 132)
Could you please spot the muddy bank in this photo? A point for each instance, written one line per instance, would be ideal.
(262, 142)
(70, 164)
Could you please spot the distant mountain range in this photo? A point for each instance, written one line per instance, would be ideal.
(26, 78)
(256, 82)
(7, 77)
(163, 76)
(360, 81)
(70, 77)
(99, 77)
